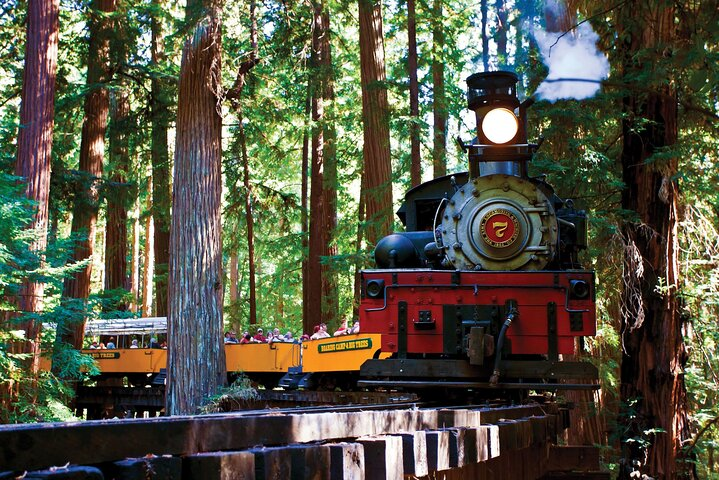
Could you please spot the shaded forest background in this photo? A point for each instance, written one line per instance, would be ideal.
(327, 118)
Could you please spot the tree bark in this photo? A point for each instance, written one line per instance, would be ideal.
(416, 160)
(234, 94)
(37, 110)
(322, 293)
(306, 280)
(439, 105)
(250, 220)
(196, 358)
(161, 95)
(377, 169)
(92, 151)
(134, 281)
(654, 352)
(116, 241)
(148, 263)
(234, 277)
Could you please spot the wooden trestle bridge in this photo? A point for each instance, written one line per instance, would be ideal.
(367, 442)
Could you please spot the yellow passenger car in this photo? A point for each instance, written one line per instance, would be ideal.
(345, 353)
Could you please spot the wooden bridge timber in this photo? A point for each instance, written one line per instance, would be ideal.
(453, 443)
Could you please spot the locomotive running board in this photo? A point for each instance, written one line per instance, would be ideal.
(461, 370)
(410, 384)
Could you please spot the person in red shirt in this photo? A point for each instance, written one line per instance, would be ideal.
(260, 337)
(343, 329)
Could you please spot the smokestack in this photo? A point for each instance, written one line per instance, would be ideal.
(493, 98)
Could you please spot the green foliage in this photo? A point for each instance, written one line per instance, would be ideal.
(23, 396)
(233, 397)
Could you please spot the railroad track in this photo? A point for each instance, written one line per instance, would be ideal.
(103, 402)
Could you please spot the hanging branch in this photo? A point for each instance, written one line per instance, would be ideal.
(236, 90)
(693, 442)
(585, 21)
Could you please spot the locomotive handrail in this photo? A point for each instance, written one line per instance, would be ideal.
(476, 288)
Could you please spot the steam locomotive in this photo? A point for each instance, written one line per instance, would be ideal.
(484, 289)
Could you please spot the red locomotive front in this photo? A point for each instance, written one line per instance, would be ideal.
(485, 286)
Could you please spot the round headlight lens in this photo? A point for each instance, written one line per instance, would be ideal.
(500, 125)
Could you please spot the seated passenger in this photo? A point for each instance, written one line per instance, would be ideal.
(134, 343)
(260, 337)
(227, 337)
(247, 339)
(111, 342)
(275, 336)
(343, 330)
(321, 332)
(304, 337)
(288, 337)
(94, 345)
(233, 338)
(355, 328)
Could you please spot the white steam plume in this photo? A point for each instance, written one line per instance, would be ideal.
(573, 56)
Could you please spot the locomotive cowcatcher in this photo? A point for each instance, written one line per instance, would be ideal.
(484, 288)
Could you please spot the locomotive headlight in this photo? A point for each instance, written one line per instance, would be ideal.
(500, 125)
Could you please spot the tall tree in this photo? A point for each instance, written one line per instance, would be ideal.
(148, 262)
(321, 291)
(234, 94)
(439, 104)
(92, 151)
(377, 171)
(34, 148)
(196, 358)
(416, 160)
(305, 218)
(116, 239)
(654, 353)
(161, 98)
(249, 219)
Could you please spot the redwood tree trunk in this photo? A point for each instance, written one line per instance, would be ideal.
(250, 219)
(234, 277)
(377, 169)
(306, 280)
(160, 107)
(34, 149)
(654, 353)
(439, 148)
(148, 263)
(116, 241)
(416, 160)
(92, 151)
(321, 291)
(196, 358)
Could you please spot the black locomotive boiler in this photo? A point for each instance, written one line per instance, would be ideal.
(484, 288)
